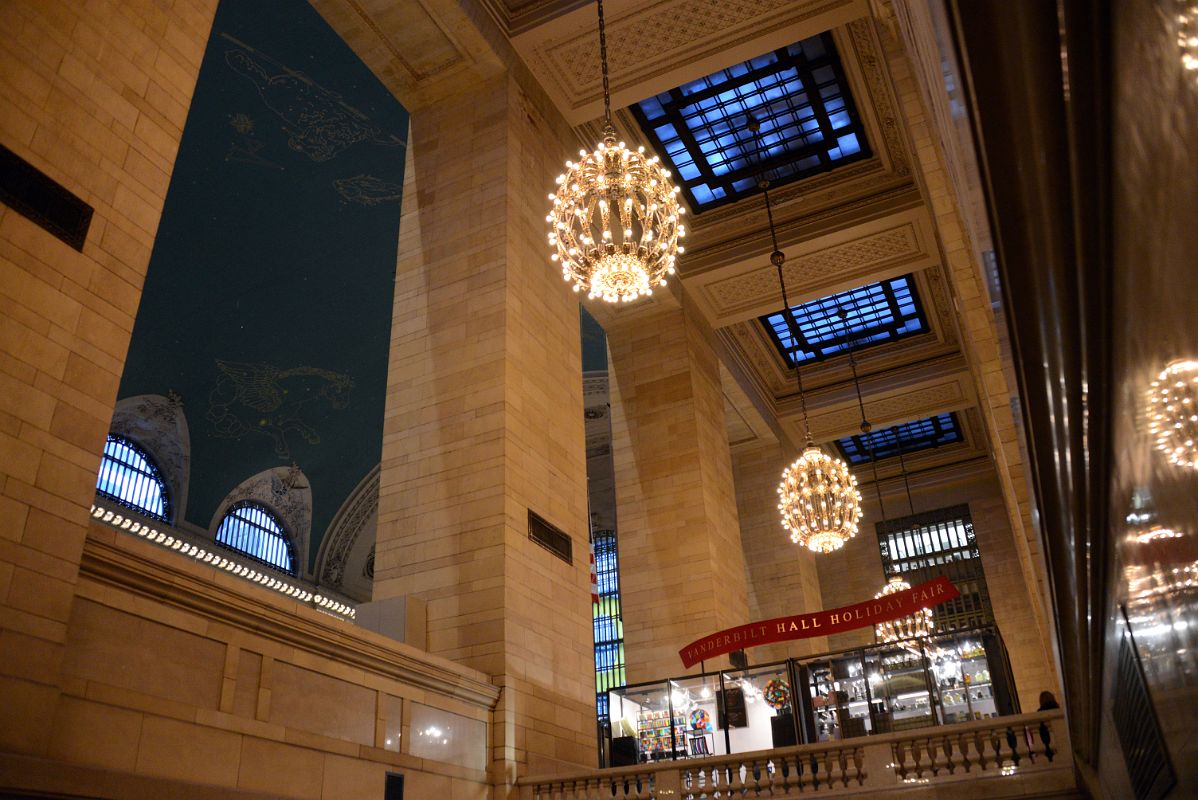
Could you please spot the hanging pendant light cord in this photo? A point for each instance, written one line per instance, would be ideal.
(866, 428)
(609, 129)
(903, 467)
(778, 259)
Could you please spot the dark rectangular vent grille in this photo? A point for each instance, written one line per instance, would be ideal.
(549, 537)
(1139, 732)
(393, 789)
(35, 196)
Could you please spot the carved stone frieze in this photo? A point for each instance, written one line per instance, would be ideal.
(807, 273)
(889, 410)
(357, 516)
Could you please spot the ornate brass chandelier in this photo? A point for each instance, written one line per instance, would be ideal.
(916, 626)
(818, 496)
(615, 222)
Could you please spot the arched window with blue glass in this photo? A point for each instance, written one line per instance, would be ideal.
(254, 530)
(129, 477)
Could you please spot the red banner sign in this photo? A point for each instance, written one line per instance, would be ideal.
(820, 623)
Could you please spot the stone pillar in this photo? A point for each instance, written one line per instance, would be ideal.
(682, 571)
(484, 422)
(96, 99)
(783, 578)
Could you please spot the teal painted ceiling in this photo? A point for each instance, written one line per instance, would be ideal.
(267, 304)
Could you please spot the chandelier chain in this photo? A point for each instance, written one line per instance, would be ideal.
(778, 259)
(603, 65)
(866, 428)
(903, 466)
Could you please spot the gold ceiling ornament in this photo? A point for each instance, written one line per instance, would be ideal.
(616, 220)
(916, 626)
(1173, 412)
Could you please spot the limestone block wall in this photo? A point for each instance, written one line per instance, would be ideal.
(484, 420)
(179, 678)
(95, 96)
(682, 569)
(855, 572)
(782, 578)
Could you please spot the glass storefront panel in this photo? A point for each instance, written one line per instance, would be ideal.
(899, 688)
(696, 706)
(961, 672)
(759, 708)
(644, 725)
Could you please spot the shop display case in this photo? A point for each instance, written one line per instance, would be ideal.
(940, 680)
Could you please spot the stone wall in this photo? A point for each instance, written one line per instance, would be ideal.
(96, 99)
(484, 420)
(177, 674)
(681, 561)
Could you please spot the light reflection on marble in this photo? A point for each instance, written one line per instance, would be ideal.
(444, 736)
(1154, 158)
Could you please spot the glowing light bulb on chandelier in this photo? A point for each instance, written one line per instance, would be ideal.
(1173, 413)
(616, 220)
(916, 626)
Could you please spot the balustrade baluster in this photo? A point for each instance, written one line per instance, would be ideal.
(962, 749)
(979, 743)
(938, 750)
(1046, 740)
(897, 760)
(858, 759)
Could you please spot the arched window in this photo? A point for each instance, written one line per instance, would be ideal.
(251, 529)
(129, 477)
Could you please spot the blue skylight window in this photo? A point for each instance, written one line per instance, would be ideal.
(799, 96)
(128, 476)
(253, 530)
(879, 312)
(909, 437)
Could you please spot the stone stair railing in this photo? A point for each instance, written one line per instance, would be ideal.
(1003, 749)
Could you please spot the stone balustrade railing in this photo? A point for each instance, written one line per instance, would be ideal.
(1002, 749)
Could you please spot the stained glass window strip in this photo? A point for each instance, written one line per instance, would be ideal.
(799, 96)
(908, 437)
(877, 313)
(252, 530)
(128, 477)
(609, 627)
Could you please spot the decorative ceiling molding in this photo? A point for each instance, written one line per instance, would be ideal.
(883, 409)
(816, 267)
(655, 46)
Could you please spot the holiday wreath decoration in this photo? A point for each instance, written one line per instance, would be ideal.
(777, 694)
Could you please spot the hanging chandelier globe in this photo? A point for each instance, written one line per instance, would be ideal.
(819, 501)
(916, 626)
(615, 222)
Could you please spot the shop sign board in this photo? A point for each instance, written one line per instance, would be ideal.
(820, 623)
